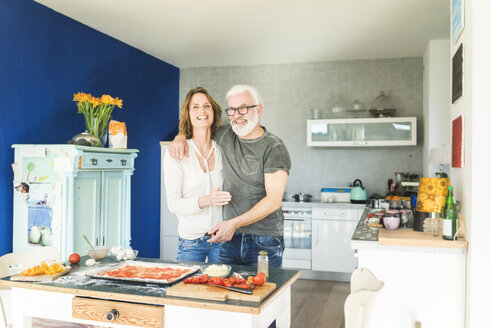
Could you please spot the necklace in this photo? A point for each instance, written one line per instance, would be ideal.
(203, 150)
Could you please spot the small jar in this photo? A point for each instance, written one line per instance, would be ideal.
(262, 263)
(380, 215)
(407, 218)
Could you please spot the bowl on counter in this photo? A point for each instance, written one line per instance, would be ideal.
(391, 222)
(98, 253)
(125, 254)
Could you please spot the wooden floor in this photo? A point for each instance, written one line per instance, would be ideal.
(318, 303)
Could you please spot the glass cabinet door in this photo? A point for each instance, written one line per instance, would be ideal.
(390, 131)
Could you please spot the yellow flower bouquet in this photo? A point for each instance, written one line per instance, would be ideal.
(97, 111)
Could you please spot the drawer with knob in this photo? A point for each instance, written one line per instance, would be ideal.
(117, 312)
(106, 161)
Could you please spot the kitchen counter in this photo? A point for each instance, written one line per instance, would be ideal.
(37, 299)
(424, 276)
(369, 237)
(317, 204)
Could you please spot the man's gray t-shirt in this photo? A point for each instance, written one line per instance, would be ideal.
(244, 164)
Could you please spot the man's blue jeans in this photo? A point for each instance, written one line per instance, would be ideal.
(197, 250)
(244, 248)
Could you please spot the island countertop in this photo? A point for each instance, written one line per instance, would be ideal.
(77, 283)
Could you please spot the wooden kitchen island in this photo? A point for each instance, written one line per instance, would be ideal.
(81, 299)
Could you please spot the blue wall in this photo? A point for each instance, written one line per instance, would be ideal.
(45, 58)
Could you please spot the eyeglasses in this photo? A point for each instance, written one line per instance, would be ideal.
(243, 110)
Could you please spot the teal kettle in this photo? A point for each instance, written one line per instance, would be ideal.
(358, 193)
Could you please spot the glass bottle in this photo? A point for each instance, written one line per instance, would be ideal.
(450, 214)
(262, 263)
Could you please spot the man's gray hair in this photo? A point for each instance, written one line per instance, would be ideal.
(241, 88)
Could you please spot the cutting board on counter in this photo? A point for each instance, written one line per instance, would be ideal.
(41, 277)
(207, 292)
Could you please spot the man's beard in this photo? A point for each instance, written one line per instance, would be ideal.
(242, 131)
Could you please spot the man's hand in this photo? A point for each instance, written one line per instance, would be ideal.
(215, 198)
(178, 148)
(222, 232)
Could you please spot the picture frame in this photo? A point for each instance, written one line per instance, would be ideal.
(458, 142)
(458, 74)
(457, 15)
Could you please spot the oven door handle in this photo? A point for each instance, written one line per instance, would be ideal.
(298, 220)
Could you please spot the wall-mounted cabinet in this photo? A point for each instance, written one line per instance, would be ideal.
(366, 132)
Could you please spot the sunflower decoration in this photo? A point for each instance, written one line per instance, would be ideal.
(432, 193)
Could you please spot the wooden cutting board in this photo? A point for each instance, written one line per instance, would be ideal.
(207, 292)
(41, 277)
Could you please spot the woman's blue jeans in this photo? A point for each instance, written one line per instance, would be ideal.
(197, 250)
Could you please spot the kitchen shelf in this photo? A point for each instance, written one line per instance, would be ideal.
(362, 132)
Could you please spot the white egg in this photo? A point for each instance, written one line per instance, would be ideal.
(129, 253)
(90, 262)
(115, 250)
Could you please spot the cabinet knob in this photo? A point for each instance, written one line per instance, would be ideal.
(109, 160)
(94, 161)
(112, 315)
(123, 162)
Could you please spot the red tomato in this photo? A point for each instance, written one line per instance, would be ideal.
(74, 258)
(259, 279)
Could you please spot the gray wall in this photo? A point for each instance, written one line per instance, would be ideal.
(289, 91)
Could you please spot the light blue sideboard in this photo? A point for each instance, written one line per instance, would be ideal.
(73, 190)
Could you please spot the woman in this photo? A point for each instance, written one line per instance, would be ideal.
(193, 184)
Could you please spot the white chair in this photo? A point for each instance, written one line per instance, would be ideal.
(15, 262)
(364, 285)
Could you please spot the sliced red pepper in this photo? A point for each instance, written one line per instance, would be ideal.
(244, 286)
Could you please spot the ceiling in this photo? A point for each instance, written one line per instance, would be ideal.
(197, 33)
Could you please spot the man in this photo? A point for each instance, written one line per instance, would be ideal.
(255, 171)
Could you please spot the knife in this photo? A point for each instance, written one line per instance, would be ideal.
(235, 289)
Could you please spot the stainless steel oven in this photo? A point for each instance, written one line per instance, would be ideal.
(298, 237)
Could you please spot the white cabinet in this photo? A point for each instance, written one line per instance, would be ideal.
(70, 191)
(420, 284)
(366, 132)
(332, 229)
(168, 220)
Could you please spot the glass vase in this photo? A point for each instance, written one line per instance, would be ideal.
(105, 136)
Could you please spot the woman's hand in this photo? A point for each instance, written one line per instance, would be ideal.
(178, 148)
(215, 198)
